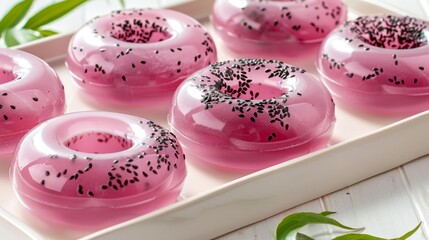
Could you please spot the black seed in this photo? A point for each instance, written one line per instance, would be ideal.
(35, 99)
(421, 68)
(80, 189)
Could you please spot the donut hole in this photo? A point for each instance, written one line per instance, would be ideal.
(98, 143)
(139, 31)
(6, 76)
(390, 32)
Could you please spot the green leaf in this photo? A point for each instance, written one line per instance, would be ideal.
(13, 37)
(15, 15)
(122, 2)
(46, 32)
(408, 234)
(298, 220)
(357, 236)
(300, 236)
(52, 13)
(10, 39)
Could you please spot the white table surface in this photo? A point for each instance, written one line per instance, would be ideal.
(387, 205)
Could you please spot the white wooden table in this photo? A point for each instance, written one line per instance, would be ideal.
(388, 205)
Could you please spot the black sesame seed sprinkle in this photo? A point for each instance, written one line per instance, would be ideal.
(391, 32)
(229, 82)
(126, 172)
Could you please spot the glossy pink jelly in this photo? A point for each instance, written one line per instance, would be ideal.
(138, 56)
(95, 169)
(249, 114)
(30, 92)
(378, 64)
(275, 27)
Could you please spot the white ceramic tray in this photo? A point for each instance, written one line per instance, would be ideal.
(217, 203)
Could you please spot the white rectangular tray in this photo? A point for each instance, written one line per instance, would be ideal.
(220, 202)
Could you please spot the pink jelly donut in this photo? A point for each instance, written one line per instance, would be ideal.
(249, 114)
(378, 64)
(94, 169)
(135, 56)
(30, 92)
(276, 27)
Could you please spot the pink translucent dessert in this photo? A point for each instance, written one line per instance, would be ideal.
(249, 114)
(138, 56)
(95, 169)
(378, 64)
(276, 27)
(30, 92)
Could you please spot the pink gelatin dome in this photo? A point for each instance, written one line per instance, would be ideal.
(137, 56)
(30, 92)
(276, 28)
(90, 170)
(378, 65)
(249, 114)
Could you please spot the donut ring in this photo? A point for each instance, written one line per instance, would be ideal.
(94, 169)
(276, 27)
(30, 92)
(249, 114)
(135, 56)
(368, 69)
